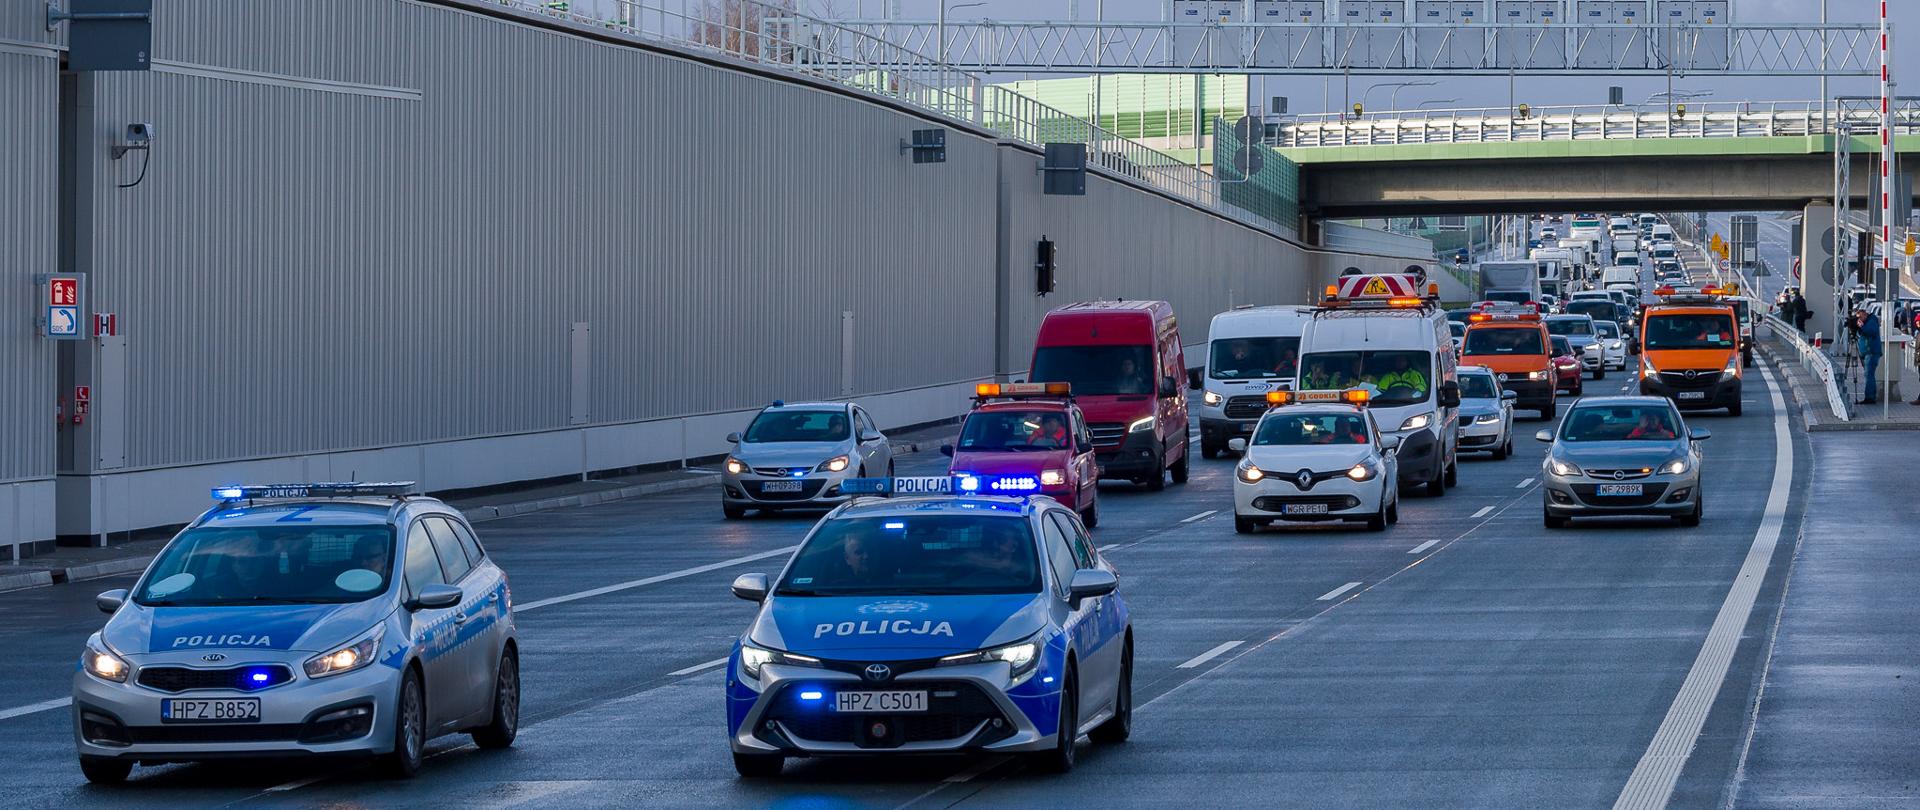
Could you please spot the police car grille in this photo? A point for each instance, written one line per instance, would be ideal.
(953, 709)
(1649, 495)
(185, 679)
(215, 733)
(1107, 434)
(807, 490)
(1245, 407)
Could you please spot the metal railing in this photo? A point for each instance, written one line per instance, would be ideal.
(1589, 123)
(775, 36)
(1814, 361)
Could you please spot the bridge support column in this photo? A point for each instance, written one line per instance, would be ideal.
(1817, 266)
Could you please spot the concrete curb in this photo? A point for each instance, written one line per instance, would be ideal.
(25, 580)
(104, 568)
(1821, 423)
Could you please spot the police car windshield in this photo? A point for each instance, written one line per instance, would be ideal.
(1621, 423)
(1680, 331)
(1569, 326)
(1396, 377)
(280, 565)
(1497, 340)
(1302, 429)
(1016, 430)
(916, 554)
(1479, 386)
(1253, 358)
(798, 426)
(1096, 370)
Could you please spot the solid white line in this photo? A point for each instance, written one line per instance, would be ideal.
(1202, 516)
(1424, 546)
(32, 708)
(1524, 484)
(697, 667)
(1335, 593)
(295, 784)
(1651, 785)
(1209, 655)
(653, 580)
(1483, 511)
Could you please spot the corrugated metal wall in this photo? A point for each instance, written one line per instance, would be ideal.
(29, 169)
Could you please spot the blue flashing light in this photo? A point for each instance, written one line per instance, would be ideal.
(1048, 679)
(259, 677)
(895, 525)
(227, 493)
(799, 472)
(812, 694)
(1021, 483)
(970, 483)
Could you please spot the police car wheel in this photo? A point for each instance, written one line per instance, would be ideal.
(409, 729)
(105, 770)
(759, 766)
(499, 732)
(1060, 758)
(733, 512)
(1120, 726)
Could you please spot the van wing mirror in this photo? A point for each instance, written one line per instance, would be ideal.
(1169, 388)
(1450, 394)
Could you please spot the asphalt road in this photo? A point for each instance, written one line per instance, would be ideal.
(1480, 661)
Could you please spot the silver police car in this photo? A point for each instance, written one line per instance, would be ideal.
(302, 619)
(1623, 456)
(796, 456)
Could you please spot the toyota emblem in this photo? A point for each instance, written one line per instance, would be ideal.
(213, 657)
(1303, 479)
(878, 672)
(1619, 475)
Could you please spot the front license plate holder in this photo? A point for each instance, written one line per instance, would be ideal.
(1303, 509)
(881, 702)
(780, 486)
(209, 710)
(1693, 395)
(1618, 490)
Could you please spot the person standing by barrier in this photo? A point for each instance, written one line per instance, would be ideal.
(1867, 328)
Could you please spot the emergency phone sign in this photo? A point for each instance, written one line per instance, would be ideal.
(61, 319)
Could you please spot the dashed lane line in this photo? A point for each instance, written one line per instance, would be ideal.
(697, 667)
(1483, 511)
(1335, 593)
(1424, 546)
(1209, 655)
(1524, 484)
(652, 580)
(1202, 516)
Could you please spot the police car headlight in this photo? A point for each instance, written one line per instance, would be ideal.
(835, 464)
(102, 664)
(1536, 375)
(1250, 473)
(736, 466)
(1563, 468)
(1416, 422)
(1674, 467)
(347, 657)
(753, 658)
(1360, 472)
(1487, 419)
(1211, 398)
(1140, 424)
(1052, 478)
(1021, 657)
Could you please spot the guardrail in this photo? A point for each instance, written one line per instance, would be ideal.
(1589, 123)
(1814, 361)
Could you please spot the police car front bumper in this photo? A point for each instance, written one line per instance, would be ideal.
(1277, 497)
(813, 490)
(972, 708)
(347, 714)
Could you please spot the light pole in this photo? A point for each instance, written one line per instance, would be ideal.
(1423, 104)
(1392, 98)
(942, 24)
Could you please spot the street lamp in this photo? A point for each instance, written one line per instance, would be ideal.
(944, 8)
(1423, 104)
(1392, 98)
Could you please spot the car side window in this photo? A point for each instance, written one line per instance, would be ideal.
(1076, 539)
(422, 564)
(1059, 556)
(468, 542)
(866, 421)
(1082, 435)
(453, 558)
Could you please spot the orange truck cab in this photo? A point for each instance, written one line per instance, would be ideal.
(1125, 363)
(1690, 351)
(1516, 346)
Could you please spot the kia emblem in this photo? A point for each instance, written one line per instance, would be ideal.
(878, 672)
(213, 657)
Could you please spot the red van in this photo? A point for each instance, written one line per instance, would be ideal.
(1124, 361)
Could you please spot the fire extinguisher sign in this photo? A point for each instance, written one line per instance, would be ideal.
(60, 316)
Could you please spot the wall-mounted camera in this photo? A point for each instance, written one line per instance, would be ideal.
(139, 136)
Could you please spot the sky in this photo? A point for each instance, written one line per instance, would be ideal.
(1309, 94)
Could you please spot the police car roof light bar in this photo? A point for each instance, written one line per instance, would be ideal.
(354, 489)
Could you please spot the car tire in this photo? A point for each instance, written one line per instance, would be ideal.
(1378, 523)
(1120, 726)
(1437, 485)
(1553, 522)
(1453, 472)
(1393, 510)
(733, 512)
(1158, 481)
(1548, 411)
(499, 732)
(1180, 469)
(1243, 525)
(1091, 517)
(1601, 372)
(1734, 409)
(105, 770)
(1699, 510)
(1060, 758)
(409, 729)
(1501, 451)
(1211, 450)
(758, 766)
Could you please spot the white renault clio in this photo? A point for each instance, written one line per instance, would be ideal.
(1317, 456)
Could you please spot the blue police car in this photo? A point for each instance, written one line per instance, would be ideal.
(933, 624)
(302, 619)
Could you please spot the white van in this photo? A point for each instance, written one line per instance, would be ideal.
(1627, 277)
(1407, 346)
(1250, 351)
(1629, 258)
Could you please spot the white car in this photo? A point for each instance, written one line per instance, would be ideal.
(1612, 344)
(1486, 413)
(1316, 456)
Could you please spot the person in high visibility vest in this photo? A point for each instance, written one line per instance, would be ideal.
(1403, 375)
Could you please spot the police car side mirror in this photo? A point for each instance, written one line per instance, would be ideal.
(1091, 582)
(733, 438)
(946, 450)
(1544, 436)
(751, 587)
(435, 597)
(1237, 445)
(1699, 434)
(110, 601)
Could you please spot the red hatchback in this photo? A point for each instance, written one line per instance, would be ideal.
(1567, 375)
(1018, 432)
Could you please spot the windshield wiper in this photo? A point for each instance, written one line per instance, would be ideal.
(796, 592)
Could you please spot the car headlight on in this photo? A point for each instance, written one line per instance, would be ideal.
(736, 466)
(1674, 467)
(753, 658)
(1733, 366)
(1615, 345)
(347, 657)
(1052, 478)
(1646, 368)
(1020, 657)
(1487, 419)
(1536, 375)
(1250, 473)
(1563, 468)
(1360, 472)
(1211, 398)
(1417, 421)
(835, 464)
(1138, 425)
(103, 664)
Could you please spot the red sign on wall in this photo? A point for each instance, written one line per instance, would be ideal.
(82, 393)
(63, 292)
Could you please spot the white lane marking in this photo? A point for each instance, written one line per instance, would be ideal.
(1335, 593)
(979, 768)
(295, 785)
(1483, 511)
(653, 580)
(1209, 655)
(1109, 546)
(1651, 785)
(1424, 546)
(1202, 516)
(697, 667)
(1524, 484)
(32, 708)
